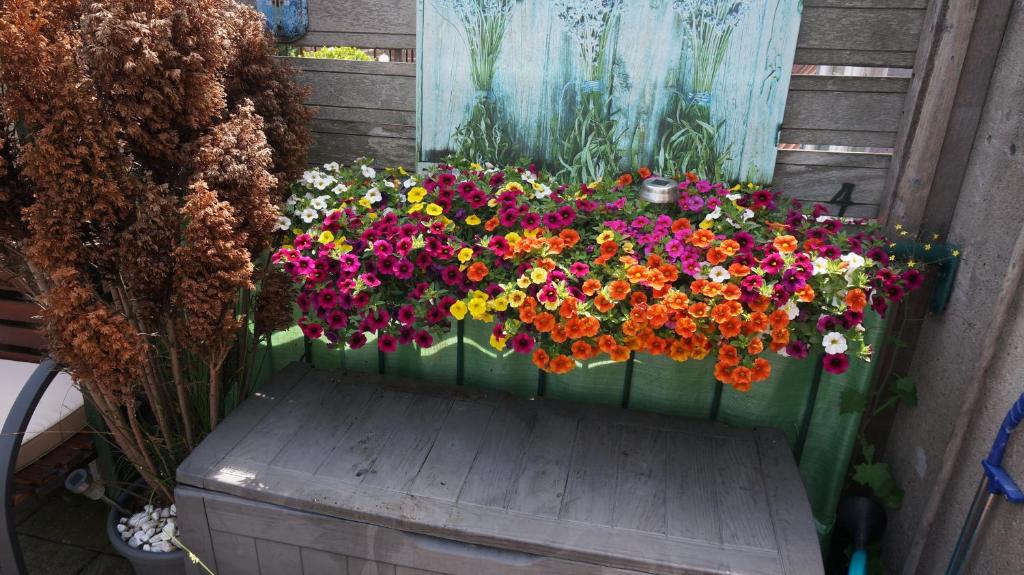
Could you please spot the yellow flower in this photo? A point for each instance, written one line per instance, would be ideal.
(514, 186)
(434, 210)
(927, 247)
(402, 171)
(465, 254)
(627, 247)
(499, 303)
(911, 264)
(605, 236)
(477, 294)
(416, 194)
(492, 202)
(415, 208)
(458, 310)
(898, 226)
(513, 238)
(326, 237)
(538, 275)
(532, 233)
(707, 224)
(472, 220)
(477, 307)
(298, 232)
(365, 203)
(345, 248)
(523, 282)
(956, 253)
(475, 166)
(552, 305)
(516, 298)
(496, 343)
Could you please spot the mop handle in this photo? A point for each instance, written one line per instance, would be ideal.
(999, 481)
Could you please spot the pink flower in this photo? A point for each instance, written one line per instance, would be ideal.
(387, 343)
(312, 330)
(836, 363)
(579, 269)
(522, 343)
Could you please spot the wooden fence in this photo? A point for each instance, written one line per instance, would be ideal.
(369, 108)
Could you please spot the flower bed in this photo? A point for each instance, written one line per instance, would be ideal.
(570, 274)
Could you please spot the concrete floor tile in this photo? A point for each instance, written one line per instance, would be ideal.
(70, 519)
(108, 565)
(48, 558)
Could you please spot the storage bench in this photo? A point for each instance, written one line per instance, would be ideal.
(333, 473)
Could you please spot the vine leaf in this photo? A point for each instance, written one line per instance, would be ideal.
(877, 477)
(852, 401)
(906, 390)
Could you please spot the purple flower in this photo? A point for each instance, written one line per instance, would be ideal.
(451, 275)
(912, 279)
(798, 349)
(529, 220)
(327, 298)
(836, 363)
(312, 330)
(424, 339)
(827, 323)
(406, 314)
(773, 263)
(337, 319)
(579, 269)
(387, 343)
(303, 242)
(522, 343)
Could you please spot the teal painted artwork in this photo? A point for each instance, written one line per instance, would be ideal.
(588, 88)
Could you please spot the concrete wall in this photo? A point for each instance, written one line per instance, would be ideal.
(988, 219)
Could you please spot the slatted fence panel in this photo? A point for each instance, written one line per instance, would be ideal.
(20, 337)
(368, 108)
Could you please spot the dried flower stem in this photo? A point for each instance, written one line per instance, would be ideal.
(179, 385)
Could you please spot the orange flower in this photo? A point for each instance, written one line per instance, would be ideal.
(477, 271)
(561, 364)
(780, 337)
(680, 224)
(555, 245)
(657, 315)
(669, 272)
(679, 350)
(637, 298)
(806, 293)
(540, 358)
(544, 322)
(603, 304)
(570, 237)
(644, 173)
(618, 290)
(654, 260)
(716, 256)
(778, 319)
(574, 328)
(568, 308)
(741, 378)
(591, 287)
(548, 264)
(491, 224)
(731, 292)
(761, 303)
(701, 238)
(856, 299)
(721, 312)
(712, 289)
(699, 309)
(636, 274)
(685, 327)
(582, 350)
(762, 369)
(723, 373)
(785, 244)
(730, 247)
(755, 346)
(591, 326)
(625, 180)
(727, 355)
(731, 327)
(758, 322)
(606, 343)
(619, 353)
(676, 300)
(656, 346)
(738, 270)
(558, 333)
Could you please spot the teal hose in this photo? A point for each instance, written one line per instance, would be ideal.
(859, 562)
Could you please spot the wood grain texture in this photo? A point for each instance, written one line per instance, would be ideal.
(275, 557)
(236, 553)
(317, 562)
(538, 480)
(194, 528)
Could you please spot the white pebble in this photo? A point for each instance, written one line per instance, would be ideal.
(147, 547)
(121, 528)
(124, 520)
(174, 509)
(148, 508)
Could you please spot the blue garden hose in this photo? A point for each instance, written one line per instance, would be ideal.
(996, 482)
(859, 562)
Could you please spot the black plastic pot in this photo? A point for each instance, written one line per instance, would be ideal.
(143, 562)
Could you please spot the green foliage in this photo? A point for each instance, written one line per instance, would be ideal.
(876, 476)
(484, 136)
(326, 52)
(852, 401)
(591, 145)
(689, 142)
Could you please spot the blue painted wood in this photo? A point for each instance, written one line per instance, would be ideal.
(652, 59)
(287, 20)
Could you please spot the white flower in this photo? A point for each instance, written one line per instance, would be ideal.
(390, 184)
(309, 175)
(719, 274)
(820, 266)
(373, 195)
(332, 167)
(529, 177)
(834, 342)
(322, 182)
(715, 214)
(308, 215)
(747, 215)
(369, 172)
(542, 193)
(791, 309)
(853, 261)
(340, 189)
(319, 203)
(283, 223)
(409, 183)
(291, 200)
(733, 197)
(822, 219)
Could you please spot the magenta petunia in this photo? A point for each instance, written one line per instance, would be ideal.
(424, 339)
(522, 343)
(836, 363)
(387, 343)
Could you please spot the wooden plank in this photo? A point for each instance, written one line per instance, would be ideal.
(14, 308)
(742, 501)
(355, 454)
(279, 426)
(320, 434)
(640, 483)
(275, 557)
(409, 443)
(388, 117)
(838, 57)
(317, 562)
(590, 492)
(870, 84)
(540, 487)
(322, 38)
(861, 111)
(492, 477)
(193, 528)
(834, 159)
(691, 505)
(448, 463)
(357, 128)
(790, 510)
(378, 16)
(346, 148)
(373, 68)
(21, 335)
(367, 567)
(896, 29)
(236, 554)
(214, 447)
(399, 570)
(866, 3)
(856, 138)
(360, 90)
(823, 183)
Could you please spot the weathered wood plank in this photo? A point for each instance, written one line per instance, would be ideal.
(355, 454)
(834, 159)
(388, 117)
(742, 501)
(640, 483)
(823, 183)
(367, 567)
(346, 148)
(491, 478)
(21, 335)
(826, 137)
(860, 28)
(194, 528)
(275, 557)
(869, 84)
(448, 463)
(359, 128)
(379, 16)
(862, 111)
(790, 509)
(360, 90)
(373, 68)
(866, 3)
(236, 554)
(319, 435)
(205, 456)
(590, 492)
(317, 562)
(409, 443)
(691, 504)
(841, 57)
(540, 488)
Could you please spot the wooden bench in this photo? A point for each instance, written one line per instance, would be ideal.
(326, 472)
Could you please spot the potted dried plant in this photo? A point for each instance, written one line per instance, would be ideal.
(145, 148)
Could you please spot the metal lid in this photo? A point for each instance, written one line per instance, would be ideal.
(659, 190)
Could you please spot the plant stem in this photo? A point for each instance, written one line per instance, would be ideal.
(179, 385)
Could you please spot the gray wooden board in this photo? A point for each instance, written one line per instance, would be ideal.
(317, 562)
(236, 554)
(590, 484)
(278, 558)
(194, 528)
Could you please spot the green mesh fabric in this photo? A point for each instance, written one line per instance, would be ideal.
(648, 383)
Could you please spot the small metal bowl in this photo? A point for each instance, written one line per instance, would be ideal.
(658, 190)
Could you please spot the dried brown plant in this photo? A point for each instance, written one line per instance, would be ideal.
(144, 147)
